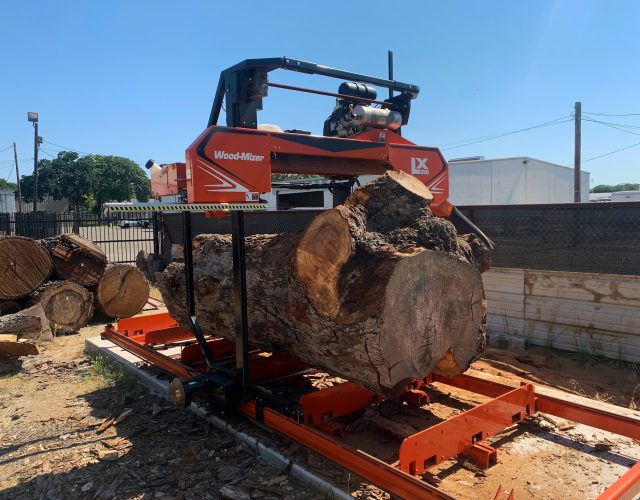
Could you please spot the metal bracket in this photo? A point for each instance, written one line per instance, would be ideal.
(458, 434)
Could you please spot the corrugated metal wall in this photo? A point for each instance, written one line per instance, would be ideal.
(597, 314)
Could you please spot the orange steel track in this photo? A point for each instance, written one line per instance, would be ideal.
(462, 434)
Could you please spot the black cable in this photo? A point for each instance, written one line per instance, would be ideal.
(66, 148)
(10, 171)
(8, 147)
(624, 125)
(496, 135)
(47, 153)
(607, 154)
(540, 125)
(611, 126)
(607, 114)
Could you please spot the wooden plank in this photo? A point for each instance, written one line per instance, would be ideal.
(17, 349)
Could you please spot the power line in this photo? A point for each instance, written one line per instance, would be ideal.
(8, 147)
(66, 148)
(45, 151)
(611, 125)
(609, 153)
(624, 125)
(498, 135)
(11, 171)
(608, 114)
(11, 161)
(557, 121)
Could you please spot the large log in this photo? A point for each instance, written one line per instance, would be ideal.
(150, 263)
(76, 259)
(67, 305)
(24, 266)
(378, 290)
(122, 291)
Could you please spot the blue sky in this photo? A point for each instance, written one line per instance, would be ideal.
(137, 78)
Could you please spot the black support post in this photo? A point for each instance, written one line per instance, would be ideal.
(240, 300)
(156, 232)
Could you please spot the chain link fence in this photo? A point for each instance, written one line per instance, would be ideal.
(589, 237)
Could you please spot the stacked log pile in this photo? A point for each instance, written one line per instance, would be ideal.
(68, 278)
(378, 290)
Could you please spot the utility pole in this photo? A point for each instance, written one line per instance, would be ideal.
(15, 157)
(33, 117)
(577, 153)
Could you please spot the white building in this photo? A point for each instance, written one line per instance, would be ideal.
(625, 196)
(512, 181)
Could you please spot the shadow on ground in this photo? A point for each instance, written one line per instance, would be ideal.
(154, 451)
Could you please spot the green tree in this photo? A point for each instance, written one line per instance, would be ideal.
(47, 183)
(88, 181)
(7, 186)
(66, 176)
(119, 179)
(608, 188)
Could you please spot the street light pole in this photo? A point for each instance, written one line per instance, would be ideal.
(35, 168)
(33, 117)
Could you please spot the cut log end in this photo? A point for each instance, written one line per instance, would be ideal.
(122, 291)
(24, 266)
(432, 320)
(67, 306)
(323, 248)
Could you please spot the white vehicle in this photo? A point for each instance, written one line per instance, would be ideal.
(125, 224)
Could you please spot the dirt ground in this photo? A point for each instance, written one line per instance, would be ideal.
(53, 445)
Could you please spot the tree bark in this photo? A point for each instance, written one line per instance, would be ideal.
(122, 291)
(67, 305)
(76, 259)
(24, 266)
(378, 291)
(150, 263)
(29, 323)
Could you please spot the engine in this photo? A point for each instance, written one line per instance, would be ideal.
(354, 114)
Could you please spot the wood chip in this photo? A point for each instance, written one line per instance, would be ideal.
(108, 455)
(116, 442)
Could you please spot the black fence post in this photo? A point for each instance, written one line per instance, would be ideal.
(156, 233)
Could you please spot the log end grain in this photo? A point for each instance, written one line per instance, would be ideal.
(323, 249)
(122, 291)
(67, 306)
(24, 266)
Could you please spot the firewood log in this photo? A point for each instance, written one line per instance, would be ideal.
(67, 305)
(76, 259)
(24, 266)
(122, 291)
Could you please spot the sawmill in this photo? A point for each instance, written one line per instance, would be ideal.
(383, 292)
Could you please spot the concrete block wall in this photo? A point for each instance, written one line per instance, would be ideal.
(597, 314)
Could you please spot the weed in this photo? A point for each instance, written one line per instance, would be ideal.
(110, 371)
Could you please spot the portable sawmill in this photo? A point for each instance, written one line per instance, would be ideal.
(227, 171)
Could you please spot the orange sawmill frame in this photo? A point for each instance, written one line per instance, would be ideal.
(461, 434)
